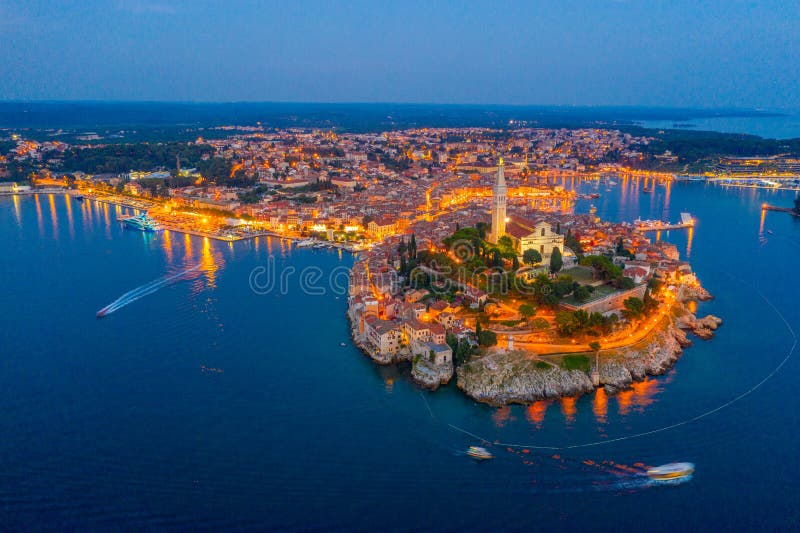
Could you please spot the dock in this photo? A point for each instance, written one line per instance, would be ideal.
(687, 221)
(791, 211)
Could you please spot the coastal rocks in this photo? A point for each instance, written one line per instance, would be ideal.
(513, 377)
(694, 292)
(431, 375)
(701, 327)
(614, 376)
(656, 358)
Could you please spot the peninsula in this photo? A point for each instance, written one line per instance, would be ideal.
(527, 305)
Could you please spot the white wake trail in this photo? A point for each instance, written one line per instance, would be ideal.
(144, 290)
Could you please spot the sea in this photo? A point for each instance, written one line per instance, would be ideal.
(223, 391)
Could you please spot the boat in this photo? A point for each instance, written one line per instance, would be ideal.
(647, 190)
(305, 243)
(141, 222)
(670, 471)
(78, 197)
(479, 453)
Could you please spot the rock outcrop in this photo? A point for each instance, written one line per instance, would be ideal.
(702, 327)
(513, 377)
(430, 375)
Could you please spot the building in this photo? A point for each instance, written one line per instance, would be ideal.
(382, 228)
(384, 335)
(535, 235)
(499, 192)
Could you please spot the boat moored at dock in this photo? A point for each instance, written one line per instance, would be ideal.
(141, 222)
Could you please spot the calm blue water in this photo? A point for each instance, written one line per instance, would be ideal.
(120, 422)
(786, 125)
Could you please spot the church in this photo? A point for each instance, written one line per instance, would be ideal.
(525, 234)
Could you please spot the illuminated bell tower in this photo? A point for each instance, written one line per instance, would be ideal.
(499, 204)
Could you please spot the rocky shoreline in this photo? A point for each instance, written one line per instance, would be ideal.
(503, 377)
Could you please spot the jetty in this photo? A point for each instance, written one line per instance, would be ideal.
(792, 211)
(687, 221)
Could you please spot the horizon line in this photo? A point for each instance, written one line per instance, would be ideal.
(378, 103)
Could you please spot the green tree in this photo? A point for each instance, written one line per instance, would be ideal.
(527, 310)
(531, 257)
(482, 228)
(556, 262)
(581, 293)
(634, 307)
(487, 338)
(539, 323)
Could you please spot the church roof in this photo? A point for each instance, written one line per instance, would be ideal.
(519, 227)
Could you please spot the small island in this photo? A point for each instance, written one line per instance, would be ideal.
(525, 306)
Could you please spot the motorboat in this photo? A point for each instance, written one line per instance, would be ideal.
(480, 453)
(670, 471)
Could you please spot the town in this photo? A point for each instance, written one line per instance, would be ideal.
(471, 260)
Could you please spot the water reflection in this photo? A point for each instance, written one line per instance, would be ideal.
(70, 221)
(535, 412)
(640, 395)
(39, 219)
(166, 240)
(501, 416)
(53, 215)
(17, 212)
(568, 409)
(600, 405)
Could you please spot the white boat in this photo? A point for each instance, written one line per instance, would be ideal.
(305, 243)
(480, 453)
(670, 471)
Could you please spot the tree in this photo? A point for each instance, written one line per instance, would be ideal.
(497, 259)
(487, 338)
(539, 323)
(581, 293)
(401, 248)
(624, 283)
(634, 307)
(482, 227)
(412, 247)
(514, 263)
(506, 246)
(527, 310)
(556, 262)
(531, 257)
(595, 346)
(565, 323)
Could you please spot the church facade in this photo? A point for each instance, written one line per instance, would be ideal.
(525, 234)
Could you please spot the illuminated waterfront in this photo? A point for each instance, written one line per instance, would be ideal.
(198, 404)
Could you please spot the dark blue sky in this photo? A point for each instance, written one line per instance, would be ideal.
(712, 53)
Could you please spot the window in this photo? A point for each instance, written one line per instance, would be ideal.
(542, 232)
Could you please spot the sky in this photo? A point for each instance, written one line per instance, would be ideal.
(670, 53)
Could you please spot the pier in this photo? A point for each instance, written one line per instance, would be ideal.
(791, 211)
(656, 225)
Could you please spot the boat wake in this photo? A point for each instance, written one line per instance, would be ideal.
(146, 289)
